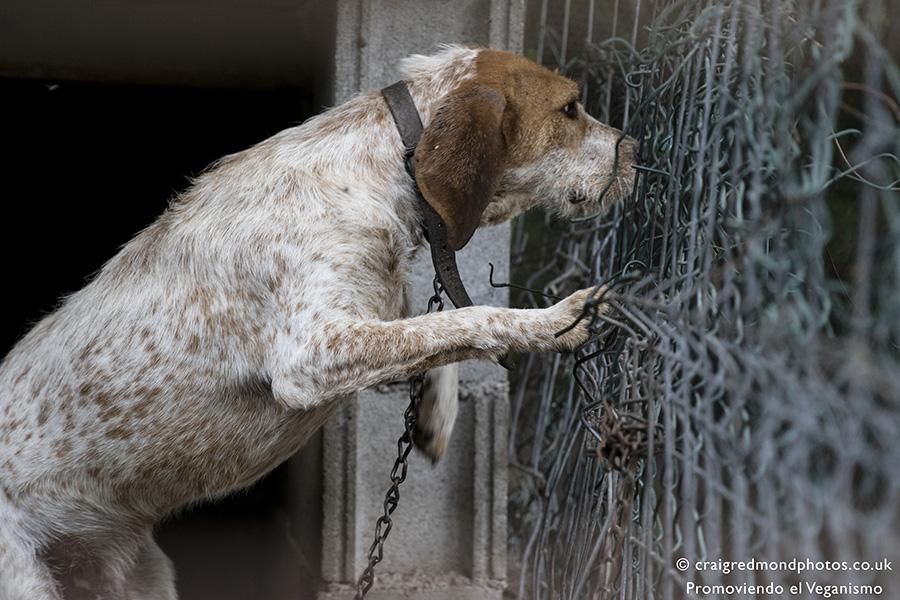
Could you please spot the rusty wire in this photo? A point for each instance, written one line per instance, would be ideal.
(741, 400)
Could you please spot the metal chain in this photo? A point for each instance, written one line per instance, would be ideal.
(398, 474)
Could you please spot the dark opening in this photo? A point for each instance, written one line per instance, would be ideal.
(86, 167)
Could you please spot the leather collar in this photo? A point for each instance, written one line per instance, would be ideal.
(409, 124)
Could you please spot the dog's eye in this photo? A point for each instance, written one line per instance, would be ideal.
(571, 110)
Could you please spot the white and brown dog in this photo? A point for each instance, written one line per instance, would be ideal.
(213, 345)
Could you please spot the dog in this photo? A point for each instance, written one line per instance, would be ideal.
(211, 347)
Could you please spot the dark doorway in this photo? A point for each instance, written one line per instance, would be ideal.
(85, 167)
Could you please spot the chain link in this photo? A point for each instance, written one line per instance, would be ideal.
(398, 473)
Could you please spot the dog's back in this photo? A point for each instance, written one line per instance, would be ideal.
(147, 389)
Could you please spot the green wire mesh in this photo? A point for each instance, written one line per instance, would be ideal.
(742, 398)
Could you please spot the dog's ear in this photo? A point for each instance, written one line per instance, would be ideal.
(460, 158)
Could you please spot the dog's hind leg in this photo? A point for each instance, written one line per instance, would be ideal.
(120, 564)
(436, 412)
(23, 575)
(153, 577)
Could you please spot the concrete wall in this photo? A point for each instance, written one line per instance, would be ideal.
(449, 534)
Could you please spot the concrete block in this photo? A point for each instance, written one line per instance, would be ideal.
(449, 531)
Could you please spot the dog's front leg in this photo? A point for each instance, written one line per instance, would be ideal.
(342, 356)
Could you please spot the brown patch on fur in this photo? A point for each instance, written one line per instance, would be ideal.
(103, 399)
(281, 263)
(37, 387)
(21, 376)
(63, 447)
(109, 413)
(202, 298)
(334, 341)
(534, 123)
(393, 265)
(118, 432)
(149, 346)
(43, 413)
(140, 409)
(154, 359)
(499, 320)
(275, 281)
(148, 393)
(193, 345)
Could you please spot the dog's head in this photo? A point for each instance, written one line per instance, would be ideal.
(510, 135)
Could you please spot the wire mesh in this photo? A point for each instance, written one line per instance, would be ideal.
(742, 398)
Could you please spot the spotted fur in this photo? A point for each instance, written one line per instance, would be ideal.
(213, 345)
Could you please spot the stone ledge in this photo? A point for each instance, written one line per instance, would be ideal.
(420, 586)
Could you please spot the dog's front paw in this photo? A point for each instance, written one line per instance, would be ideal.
(436, 411)
(566, 312)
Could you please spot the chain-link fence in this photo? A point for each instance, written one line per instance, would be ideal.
(742, 398)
